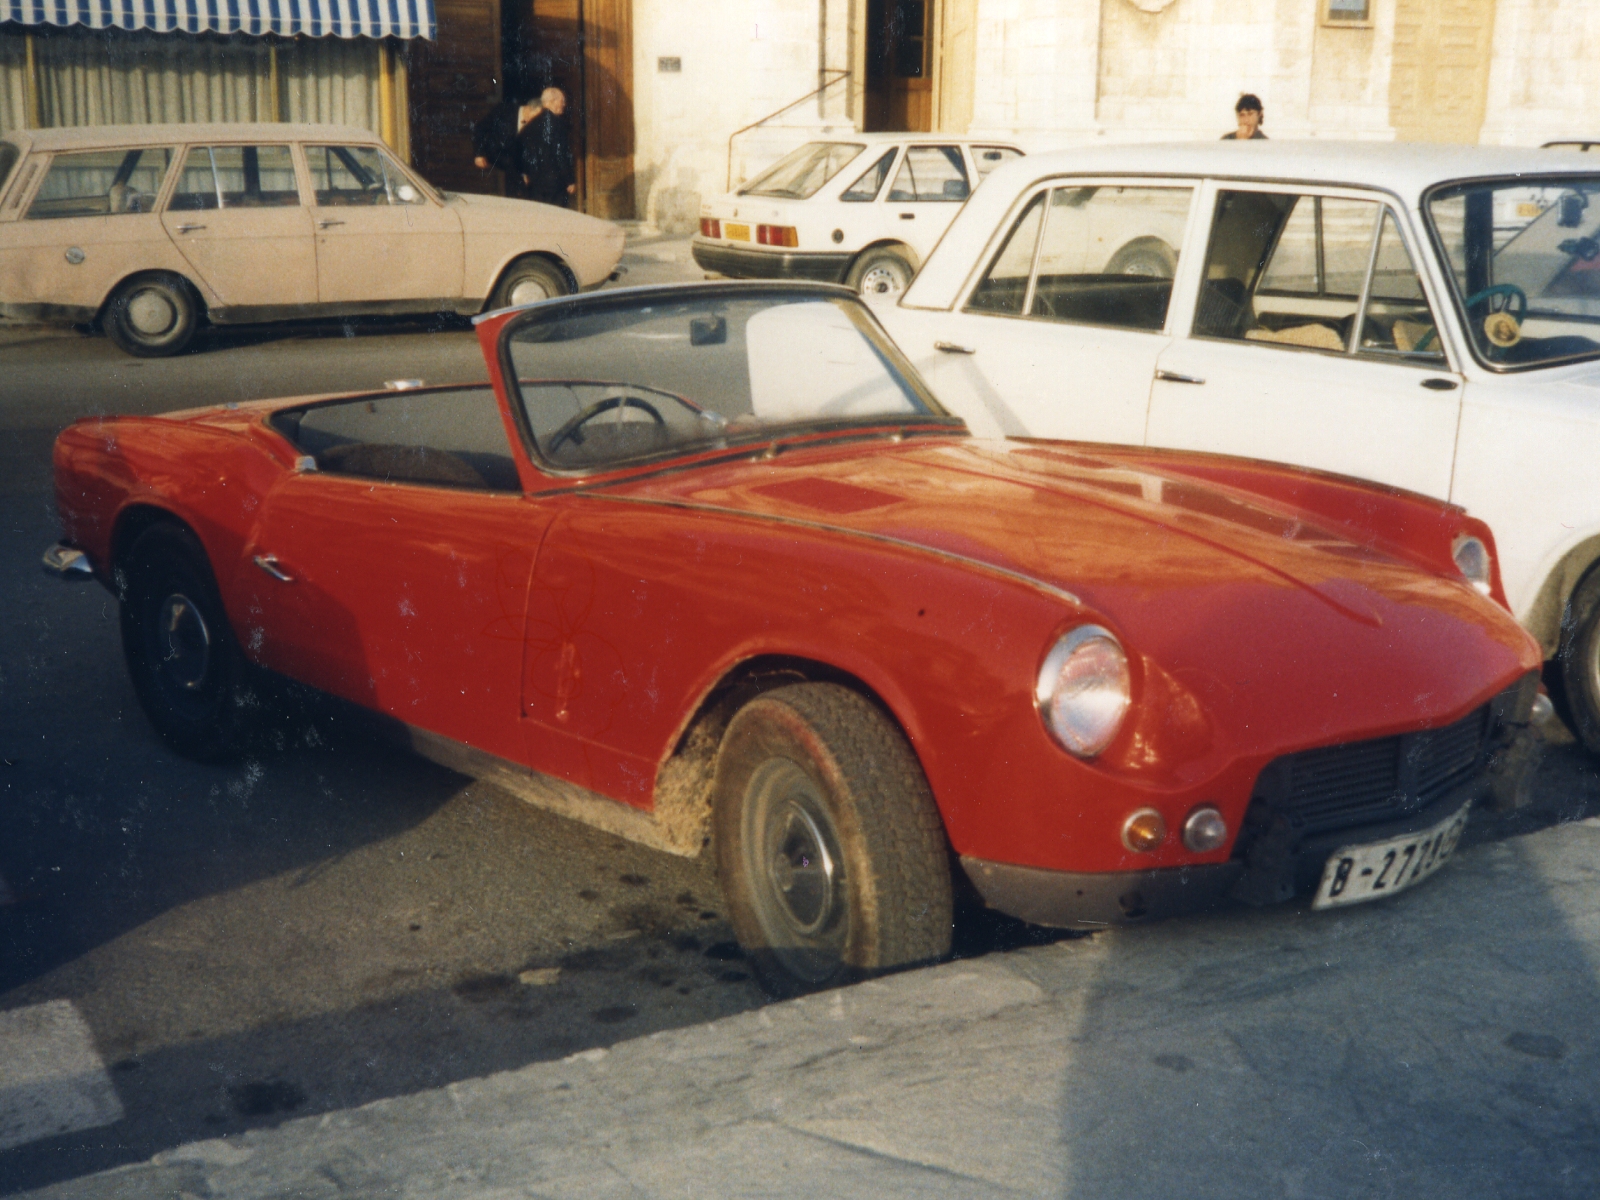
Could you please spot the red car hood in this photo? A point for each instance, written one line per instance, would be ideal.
(1229, 595)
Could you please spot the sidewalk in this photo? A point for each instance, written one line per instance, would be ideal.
(1442, 1043)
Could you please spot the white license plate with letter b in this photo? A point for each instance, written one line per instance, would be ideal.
(1358, 873)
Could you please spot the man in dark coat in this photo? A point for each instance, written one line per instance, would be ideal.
(502, 141)
(547, 165)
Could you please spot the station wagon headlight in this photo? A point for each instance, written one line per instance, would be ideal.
(1472, 560)
(1083, 691)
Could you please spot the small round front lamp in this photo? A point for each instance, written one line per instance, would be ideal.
(1144, 830)
(1472, 560)
(1083, 690)
(1204, 829)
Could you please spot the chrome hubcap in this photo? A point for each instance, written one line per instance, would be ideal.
(529, 291)
(185, 642)
(800, 869)
(881, 281)
(151, 313)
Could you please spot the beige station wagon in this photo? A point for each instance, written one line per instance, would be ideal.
(152, 230)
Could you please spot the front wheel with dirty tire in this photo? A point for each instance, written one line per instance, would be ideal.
(830, 849)
(187, 669)
(1578, 663)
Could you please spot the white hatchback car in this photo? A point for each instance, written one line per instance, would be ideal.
(863, 210)
(151, 231)
(1423, 316)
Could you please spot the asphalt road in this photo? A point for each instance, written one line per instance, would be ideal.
(331, 921)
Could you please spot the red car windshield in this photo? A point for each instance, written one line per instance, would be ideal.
(628, 376)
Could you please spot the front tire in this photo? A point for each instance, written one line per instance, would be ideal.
(153, 316)
(829, 846)
(186, 667)
(1579, 662)
(883, 273)
(528, 281)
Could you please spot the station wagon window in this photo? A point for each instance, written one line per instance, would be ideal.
(871, 182)
(8, 159)
(353, 176)
(987, 158)
(1105, 256)
(236, 177)
(98, 183)
(1299, 270)
(931, 173)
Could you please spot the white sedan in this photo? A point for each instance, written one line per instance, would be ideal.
(863, 210)
(1423, 316)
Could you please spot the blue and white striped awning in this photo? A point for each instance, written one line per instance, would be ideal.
(286, 18)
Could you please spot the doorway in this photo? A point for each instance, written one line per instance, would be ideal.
(900, 62)
(585, 48)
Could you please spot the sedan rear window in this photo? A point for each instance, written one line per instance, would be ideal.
(799, 175)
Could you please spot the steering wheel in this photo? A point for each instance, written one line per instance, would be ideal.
(1515, 300)
(571, 431)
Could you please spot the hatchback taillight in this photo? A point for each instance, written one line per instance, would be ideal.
(710, 227)
(777, 235)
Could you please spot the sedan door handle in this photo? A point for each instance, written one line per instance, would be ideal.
(324, 224)
(908, 216)
(1440, 385)
(189, 228)
(1174, 377)
(269, 564)
(952, 348)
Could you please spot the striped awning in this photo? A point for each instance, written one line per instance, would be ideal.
(286, 18)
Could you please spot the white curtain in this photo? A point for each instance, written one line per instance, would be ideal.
(107, 77)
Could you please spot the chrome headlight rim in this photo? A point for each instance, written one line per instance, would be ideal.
(1471, 556)
(1045, 685)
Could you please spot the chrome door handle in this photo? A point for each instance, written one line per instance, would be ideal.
(269, 564)
(325, 224)
(952, 348)
(1174, 377)
(189, 228)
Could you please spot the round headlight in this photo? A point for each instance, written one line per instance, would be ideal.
(1472, 560)
(1083, 691)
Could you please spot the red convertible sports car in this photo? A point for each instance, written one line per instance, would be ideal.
(709, 566)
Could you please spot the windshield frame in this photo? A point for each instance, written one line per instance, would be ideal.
(751, 188)
(736, 444)
(1458, 300)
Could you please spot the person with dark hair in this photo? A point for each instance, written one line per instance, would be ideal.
(1251, 118)
(548, 168)
(501, 142)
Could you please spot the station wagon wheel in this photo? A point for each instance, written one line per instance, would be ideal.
(831, 852)
(186, 667)
(1579, 660)
(882, 272)
(529, 280)
(153, 316)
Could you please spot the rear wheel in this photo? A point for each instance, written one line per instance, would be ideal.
(1150, 257)
(153, 316)
(830, 850)
(1579, 661)
(885, 272)
(529, 280)
(186, 667)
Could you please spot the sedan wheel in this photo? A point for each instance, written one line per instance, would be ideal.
(829, 846)
(1579, 659)
(881, 273)
(153, 316)
(185, 664)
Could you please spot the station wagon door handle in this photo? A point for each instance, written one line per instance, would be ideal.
(324, 224)
(952, 348)
(269, 564)
(189, 228)
(1174, 377)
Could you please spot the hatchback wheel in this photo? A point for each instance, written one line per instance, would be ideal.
(153, 316)
(830, 850)
(884, 273)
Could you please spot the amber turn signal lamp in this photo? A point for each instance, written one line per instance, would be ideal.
(710, 227)
(1144, 830)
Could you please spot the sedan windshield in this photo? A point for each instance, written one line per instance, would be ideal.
(1525, 258)
(798, 175)
(632, 377)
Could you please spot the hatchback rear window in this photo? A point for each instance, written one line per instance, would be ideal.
(798, 175)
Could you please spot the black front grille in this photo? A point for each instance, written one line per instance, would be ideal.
(1365, 783)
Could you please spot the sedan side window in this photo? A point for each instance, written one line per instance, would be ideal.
(101, 183)
(871, 182)
(1299, 270)
(931, 173)
(1004, 289)
(345, 176)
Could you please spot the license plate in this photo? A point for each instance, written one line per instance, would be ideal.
(1526, 209)
(1358, 873)
(737, 233)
